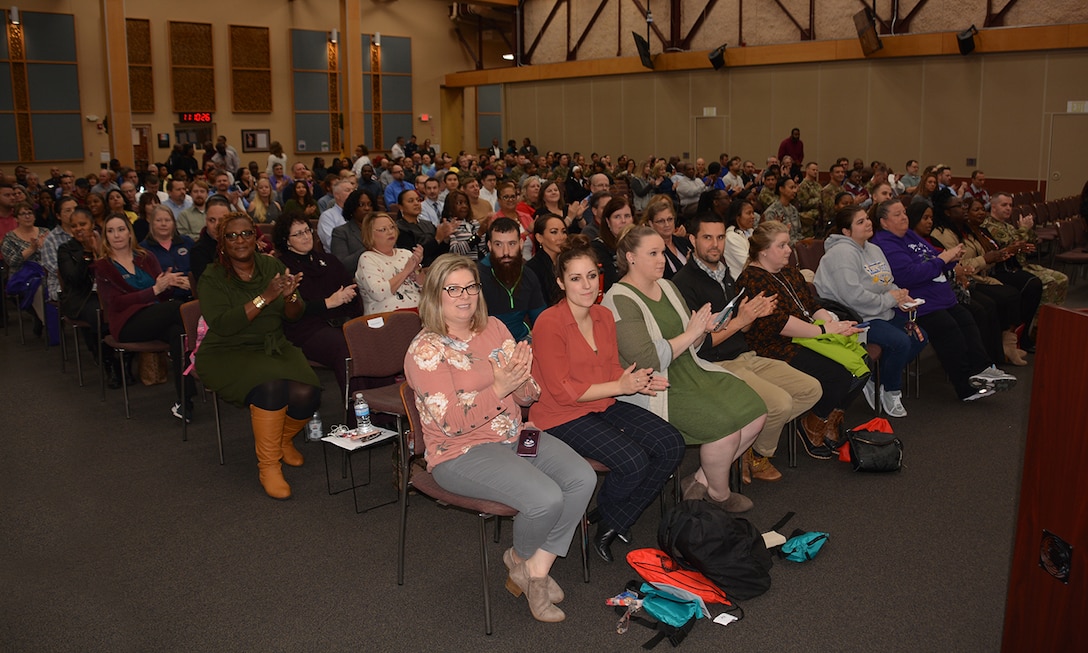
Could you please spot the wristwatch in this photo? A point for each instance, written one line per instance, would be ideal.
(822, 329)
(259, 302)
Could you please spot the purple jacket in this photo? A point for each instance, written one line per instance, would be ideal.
(915, 266)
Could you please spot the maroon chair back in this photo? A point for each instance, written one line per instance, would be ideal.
(378, 351)
(809, 252)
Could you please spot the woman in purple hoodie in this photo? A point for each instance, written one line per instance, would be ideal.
(918, 266)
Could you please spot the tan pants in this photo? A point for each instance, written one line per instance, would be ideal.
(787, 392)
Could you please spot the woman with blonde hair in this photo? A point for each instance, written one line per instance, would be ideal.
(709, 405)
(470, 380)
(263, 207)
(388, 277)
(135, 293)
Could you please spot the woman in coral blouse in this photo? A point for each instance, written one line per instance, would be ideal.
(578, 365)
(469, 378)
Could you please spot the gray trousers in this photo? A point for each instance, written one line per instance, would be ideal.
(550, 492)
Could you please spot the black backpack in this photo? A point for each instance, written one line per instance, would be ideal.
(728, 550)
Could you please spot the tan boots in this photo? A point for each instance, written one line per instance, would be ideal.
(1012, 353)
(268, 428)
(291, 427)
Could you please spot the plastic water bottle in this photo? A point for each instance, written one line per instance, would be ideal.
(527, 248)
(314, 429)
(362, 414)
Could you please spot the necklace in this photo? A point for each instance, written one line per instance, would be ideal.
(785, 283)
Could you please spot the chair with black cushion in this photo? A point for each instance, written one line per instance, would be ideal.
(120, 349)
(190, 317)
(415, 476)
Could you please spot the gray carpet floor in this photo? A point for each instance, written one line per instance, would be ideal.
(117, 536)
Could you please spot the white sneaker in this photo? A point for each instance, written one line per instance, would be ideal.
(983, 392)
(891, 401)
(870, 393)
(993, 378)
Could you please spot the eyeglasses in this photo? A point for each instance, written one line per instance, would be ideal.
(458, 291)
(507, 198)
(305, 232)
(235, 235)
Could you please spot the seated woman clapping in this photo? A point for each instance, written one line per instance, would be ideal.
(796, 315)
(325, 286)
(245, 296)
(709, 405)
(855, 273)
(136, 294)
(577, 363)
(388, 277)
(469, 378)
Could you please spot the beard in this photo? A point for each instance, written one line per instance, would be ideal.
(508, 270)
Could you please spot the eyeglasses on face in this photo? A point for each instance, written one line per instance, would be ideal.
(458, 291)
(302, 232)
(235, 235)
(507, 198)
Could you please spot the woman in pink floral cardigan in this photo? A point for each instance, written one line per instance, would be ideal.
(469, 377)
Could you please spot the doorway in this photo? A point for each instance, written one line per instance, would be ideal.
(141, 147)
(1068, 167)
(711, 137)
(195, 134)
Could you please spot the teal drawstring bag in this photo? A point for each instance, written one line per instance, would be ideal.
(804, 547)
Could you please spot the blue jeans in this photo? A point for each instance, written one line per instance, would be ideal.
(897, 349)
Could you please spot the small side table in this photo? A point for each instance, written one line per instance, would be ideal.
(347, 448)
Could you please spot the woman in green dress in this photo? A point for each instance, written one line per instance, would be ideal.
(245, 356)
(711, 407)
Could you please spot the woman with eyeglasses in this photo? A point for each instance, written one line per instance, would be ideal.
(388, 277)
(661, 215)
(246, 358)
(470, 380)
(23, 245)
(135, 293)
(325, 286)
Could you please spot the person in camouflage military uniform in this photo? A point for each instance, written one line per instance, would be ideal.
(1055, 284)
(808, 200)
(767, 193)
(783, 210)
(827, 198)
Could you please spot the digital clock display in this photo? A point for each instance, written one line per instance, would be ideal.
(195, 116)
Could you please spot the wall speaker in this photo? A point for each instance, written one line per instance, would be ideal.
(717, 57)
(966, 40)
(643, 47)
(866, 27)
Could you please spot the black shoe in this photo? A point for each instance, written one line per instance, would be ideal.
(113, 374)
(593, 516)
(602, 543)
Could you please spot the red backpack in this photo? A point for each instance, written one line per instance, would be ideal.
(655, 566)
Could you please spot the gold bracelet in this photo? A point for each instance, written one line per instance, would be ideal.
(259, 302)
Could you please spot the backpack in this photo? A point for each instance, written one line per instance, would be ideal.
(728, 550)
(656, 566)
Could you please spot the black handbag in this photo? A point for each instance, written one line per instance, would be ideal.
(874, 448)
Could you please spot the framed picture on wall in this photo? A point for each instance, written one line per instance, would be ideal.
(255, 140)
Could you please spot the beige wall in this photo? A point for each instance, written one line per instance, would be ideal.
(435, 52)
(995, 108)
(763, 22)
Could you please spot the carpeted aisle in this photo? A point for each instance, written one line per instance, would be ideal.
(117, 536)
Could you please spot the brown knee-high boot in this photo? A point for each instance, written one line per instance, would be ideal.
(268, 442)
(291, 427)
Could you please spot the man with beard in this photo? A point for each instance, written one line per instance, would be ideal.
(511, 294)
(787, 392)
